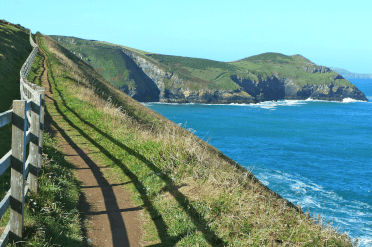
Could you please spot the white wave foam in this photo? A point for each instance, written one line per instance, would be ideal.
(298, 186)
(311, 196)
(348, 100)
(365, 241)
(272, 105)
(269, 105)
(319, 100)
(265, 104)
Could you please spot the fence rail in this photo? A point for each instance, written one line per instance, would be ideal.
(27, 119)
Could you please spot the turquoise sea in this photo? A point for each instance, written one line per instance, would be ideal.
(316, 154)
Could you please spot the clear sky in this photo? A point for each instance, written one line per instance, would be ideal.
(330, 33)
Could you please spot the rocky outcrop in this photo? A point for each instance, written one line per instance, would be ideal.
(146, 89)
(153, 72)
(207, 96)
(265, 89)
(330, 92)
(321, 92)
(319, 69)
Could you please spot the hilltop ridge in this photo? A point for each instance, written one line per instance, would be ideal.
(151, 77)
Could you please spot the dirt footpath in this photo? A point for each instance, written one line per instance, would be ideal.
(111, 218)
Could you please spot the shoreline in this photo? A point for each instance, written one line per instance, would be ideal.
(346, 100)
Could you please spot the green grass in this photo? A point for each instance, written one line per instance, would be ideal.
(14, 50)
(52, 217)
(34, 76)
(194, 63)
(270, 57)
(191, 194)
(291, 68)
(105, 58)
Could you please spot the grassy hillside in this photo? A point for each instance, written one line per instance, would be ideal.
(192, 194)
(283, 66)
(108, 60)
(50, 219)
(14, 50)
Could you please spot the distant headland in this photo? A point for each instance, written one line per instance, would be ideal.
(151, 77)
(350, 75)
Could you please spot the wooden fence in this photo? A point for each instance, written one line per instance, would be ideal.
(27, 119)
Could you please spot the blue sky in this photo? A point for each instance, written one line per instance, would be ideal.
(329, 33)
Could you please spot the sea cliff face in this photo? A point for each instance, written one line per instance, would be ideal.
(330, 92)
(179, 93)
(266, 88)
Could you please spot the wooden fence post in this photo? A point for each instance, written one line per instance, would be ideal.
(41, 125)
(18, 160)
(34, 142)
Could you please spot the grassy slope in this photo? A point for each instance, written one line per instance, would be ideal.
(105, 58)
(288, 67)
(50, 217)
(190, 192)
(199, 73)
(14, 50)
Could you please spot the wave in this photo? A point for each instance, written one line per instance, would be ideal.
(348, 100)
(365, 241)
(265, 105)
(319, 100)
(272, 105)
(269, 105)
(164, 103)
(331, 206)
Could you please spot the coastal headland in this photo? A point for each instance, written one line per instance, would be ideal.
(150, 77)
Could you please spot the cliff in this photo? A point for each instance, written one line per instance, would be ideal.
(149, 77)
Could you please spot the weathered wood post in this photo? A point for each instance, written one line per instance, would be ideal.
(34, 142)
(19, 120)
(41, 90)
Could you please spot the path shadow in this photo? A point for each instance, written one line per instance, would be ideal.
(118, 229)
(155, 215)
(198, 220)
(82, 199)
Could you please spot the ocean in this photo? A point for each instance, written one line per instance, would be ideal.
(316, 154)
